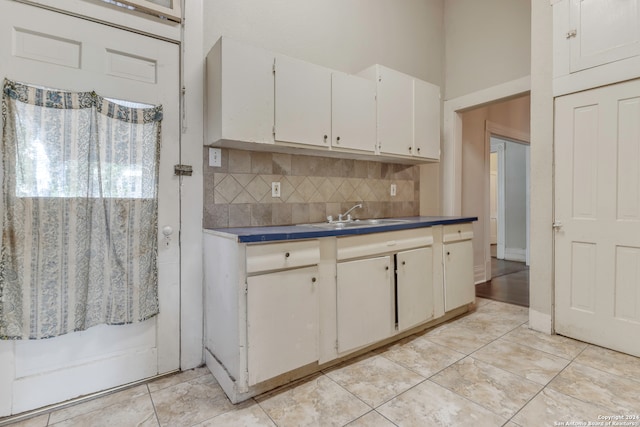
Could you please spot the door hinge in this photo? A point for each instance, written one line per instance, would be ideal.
(182, 170)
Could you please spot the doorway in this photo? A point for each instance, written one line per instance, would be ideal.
(508, 205)
(506, 120)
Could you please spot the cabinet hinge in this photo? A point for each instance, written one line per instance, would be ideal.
(336, 347)
(273, 130)
(246, 288)
(273, 67)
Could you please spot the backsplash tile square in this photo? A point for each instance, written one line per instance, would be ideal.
(238, 193)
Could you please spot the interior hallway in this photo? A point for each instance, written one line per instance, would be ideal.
(509, 283)
(483, 369)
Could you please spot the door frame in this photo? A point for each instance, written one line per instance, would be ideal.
(498, 148)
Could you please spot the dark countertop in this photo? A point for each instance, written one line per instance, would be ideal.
(292, 232)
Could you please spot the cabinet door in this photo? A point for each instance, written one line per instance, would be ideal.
(395, 112)
(605, 31)
(282, 322)
(426, 120)
(302, 102)
(414, 271)
(458, 274)
(365, 302)
(240, 93)
(353, 112)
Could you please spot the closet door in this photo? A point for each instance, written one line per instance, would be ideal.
(597, 216)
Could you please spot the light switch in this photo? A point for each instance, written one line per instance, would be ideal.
(215, 157)
(275, 189)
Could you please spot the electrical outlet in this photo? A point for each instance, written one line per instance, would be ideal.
(215, 157)
(275, 189)
(393, 190)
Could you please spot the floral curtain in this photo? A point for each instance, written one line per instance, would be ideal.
(79, 211)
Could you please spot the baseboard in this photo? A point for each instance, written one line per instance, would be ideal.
(515, 254)
(540, 322)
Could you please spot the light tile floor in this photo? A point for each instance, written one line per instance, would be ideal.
(484, 369)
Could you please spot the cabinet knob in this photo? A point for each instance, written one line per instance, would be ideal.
(410, 148)
(313, 280)
(287, 255)
(404, 262)
(387, 267)
(448, 253)
(325, 139)
(338, 140)
(418, 149)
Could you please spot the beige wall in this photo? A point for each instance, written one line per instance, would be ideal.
(349, 36)
(512, 114)
(541, 273)
(238, 193)
(486, 43)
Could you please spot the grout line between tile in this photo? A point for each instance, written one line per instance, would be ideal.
(153, 404)
(547, 386)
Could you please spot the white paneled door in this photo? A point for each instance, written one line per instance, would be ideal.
(54, 50)
(597, 216)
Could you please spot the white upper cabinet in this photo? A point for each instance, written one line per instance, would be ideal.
(595, 43)
(426, 120)
(302, 102)
(408, 114)
(395, 110)
(239, 98)
(603, 31)
(353, 109)
(255, 96)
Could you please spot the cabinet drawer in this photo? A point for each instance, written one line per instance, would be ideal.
(276, 256)
(381, 243)
(457, 232)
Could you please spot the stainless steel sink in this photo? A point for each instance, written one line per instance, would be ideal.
(336, 225)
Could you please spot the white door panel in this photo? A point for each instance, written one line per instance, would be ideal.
(58, 51)
(414, 271)
(302, 102)
(597, 246)
(364, 302)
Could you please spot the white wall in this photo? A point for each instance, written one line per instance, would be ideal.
(349, 36)
(541, 273)
(486, 43)
(515, 238)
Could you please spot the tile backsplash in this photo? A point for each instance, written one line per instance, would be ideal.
(238, 193)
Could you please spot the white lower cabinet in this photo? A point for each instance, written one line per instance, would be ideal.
(282, 322)
(414, 272)
(365, 302)
(458, 265)
(275, 312)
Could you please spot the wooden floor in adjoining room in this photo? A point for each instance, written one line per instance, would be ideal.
(509, 283)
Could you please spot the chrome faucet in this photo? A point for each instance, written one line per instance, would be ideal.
(348, 214)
